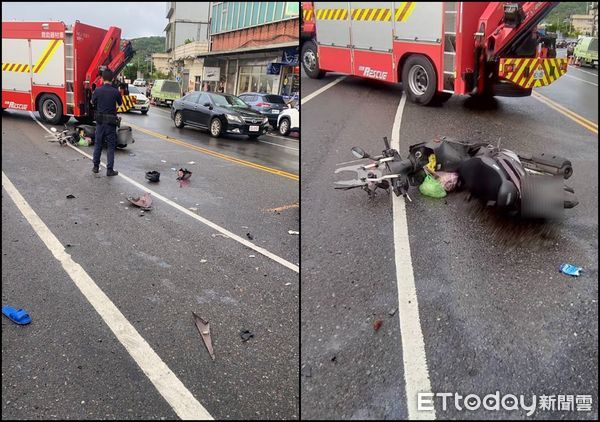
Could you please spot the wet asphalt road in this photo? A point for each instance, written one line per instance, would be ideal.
(156, 268)
(495, 313)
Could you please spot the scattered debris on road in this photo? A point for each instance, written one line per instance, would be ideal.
(191, 162)
(70, 196)
(249, 236)
(293, 232)
(193, 209)
(183, 177)
(144, 202)
(377, 324)
(251, 256)
(162, 161)
(204, 329)
(306, 371)
(202, 261)
(283, 208)
(220, 234)
(246, 335)
(570, 269)
(392, 312)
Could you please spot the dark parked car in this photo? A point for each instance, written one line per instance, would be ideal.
(219, 113)
(269, 105)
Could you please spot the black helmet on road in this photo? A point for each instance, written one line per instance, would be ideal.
(153, 176)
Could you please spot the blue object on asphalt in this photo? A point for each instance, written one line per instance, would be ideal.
(569, 269)
(18, 316)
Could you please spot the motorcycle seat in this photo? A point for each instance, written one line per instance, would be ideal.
(486, 180)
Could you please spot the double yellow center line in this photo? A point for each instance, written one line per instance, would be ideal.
(218, 154)
(588, 124)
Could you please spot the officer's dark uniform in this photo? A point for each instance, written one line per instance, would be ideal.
(105, 100)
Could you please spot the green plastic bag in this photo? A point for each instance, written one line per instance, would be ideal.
(431, 187)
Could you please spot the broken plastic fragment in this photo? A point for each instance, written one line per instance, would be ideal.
(191, 162)
(571, 270)
(202, 261)
(204, 329)
(69, 196)
(246, 335)
(220, 234)
(293, 232)
(144, 202)
(249, 236)
(162, 161)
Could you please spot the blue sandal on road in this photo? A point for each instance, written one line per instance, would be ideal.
(18, 316)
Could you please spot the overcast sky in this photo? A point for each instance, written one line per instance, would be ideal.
(135, 19)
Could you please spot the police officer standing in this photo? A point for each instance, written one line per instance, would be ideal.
(105, 100)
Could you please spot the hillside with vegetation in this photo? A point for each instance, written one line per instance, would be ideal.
(144, 48)
(557, 20)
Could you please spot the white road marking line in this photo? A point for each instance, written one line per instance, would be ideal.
(285, 138)
(320, 90)
(584, 71)
(279, 145)
(166, 382)
(416, 374)
(579, 79)
(192, 214)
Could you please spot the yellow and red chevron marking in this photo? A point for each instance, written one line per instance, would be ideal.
(307, 14)
(128, 103)
(39, 65)
(535, 72)
(331, 14)
(376, 14)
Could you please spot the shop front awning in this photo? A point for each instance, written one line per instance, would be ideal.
(254, 49)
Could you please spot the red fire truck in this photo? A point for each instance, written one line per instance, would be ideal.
(54, 68)
(435, 48)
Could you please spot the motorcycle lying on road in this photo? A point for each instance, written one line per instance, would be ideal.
(521, 184)
(73, 135)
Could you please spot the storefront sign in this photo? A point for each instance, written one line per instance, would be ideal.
(290, 56)
(273, 68)
(211, 73)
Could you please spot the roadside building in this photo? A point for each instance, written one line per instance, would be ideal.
(160, 62)
(253, 47)
(187, 36)
(583, 23)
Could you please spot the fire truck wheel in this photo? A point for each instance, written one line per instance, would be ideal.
(419, 79)
(310, 62)
(51, 109)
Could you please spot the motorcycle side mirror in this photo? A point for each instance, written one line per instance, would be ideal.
(53, 129)
(359, 152)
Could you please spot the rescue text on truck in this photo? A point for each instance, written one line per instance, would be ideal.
(436, 49)
(53, 68)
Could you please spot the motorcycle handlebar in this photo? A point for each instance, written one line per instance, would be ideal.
(386, 142)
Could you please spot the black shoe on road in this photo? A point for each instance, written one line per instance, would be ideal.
(95, 169)
(111, 172)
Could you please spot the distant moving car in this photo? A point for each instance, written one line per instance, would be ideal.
(165, 92)
(586, 51)
(142, 103)
(219, 113)
(139, 82)
(289, 121)
(269, 105)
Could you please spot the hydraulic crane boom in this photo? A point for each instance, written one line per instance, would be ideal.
(503, 26)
